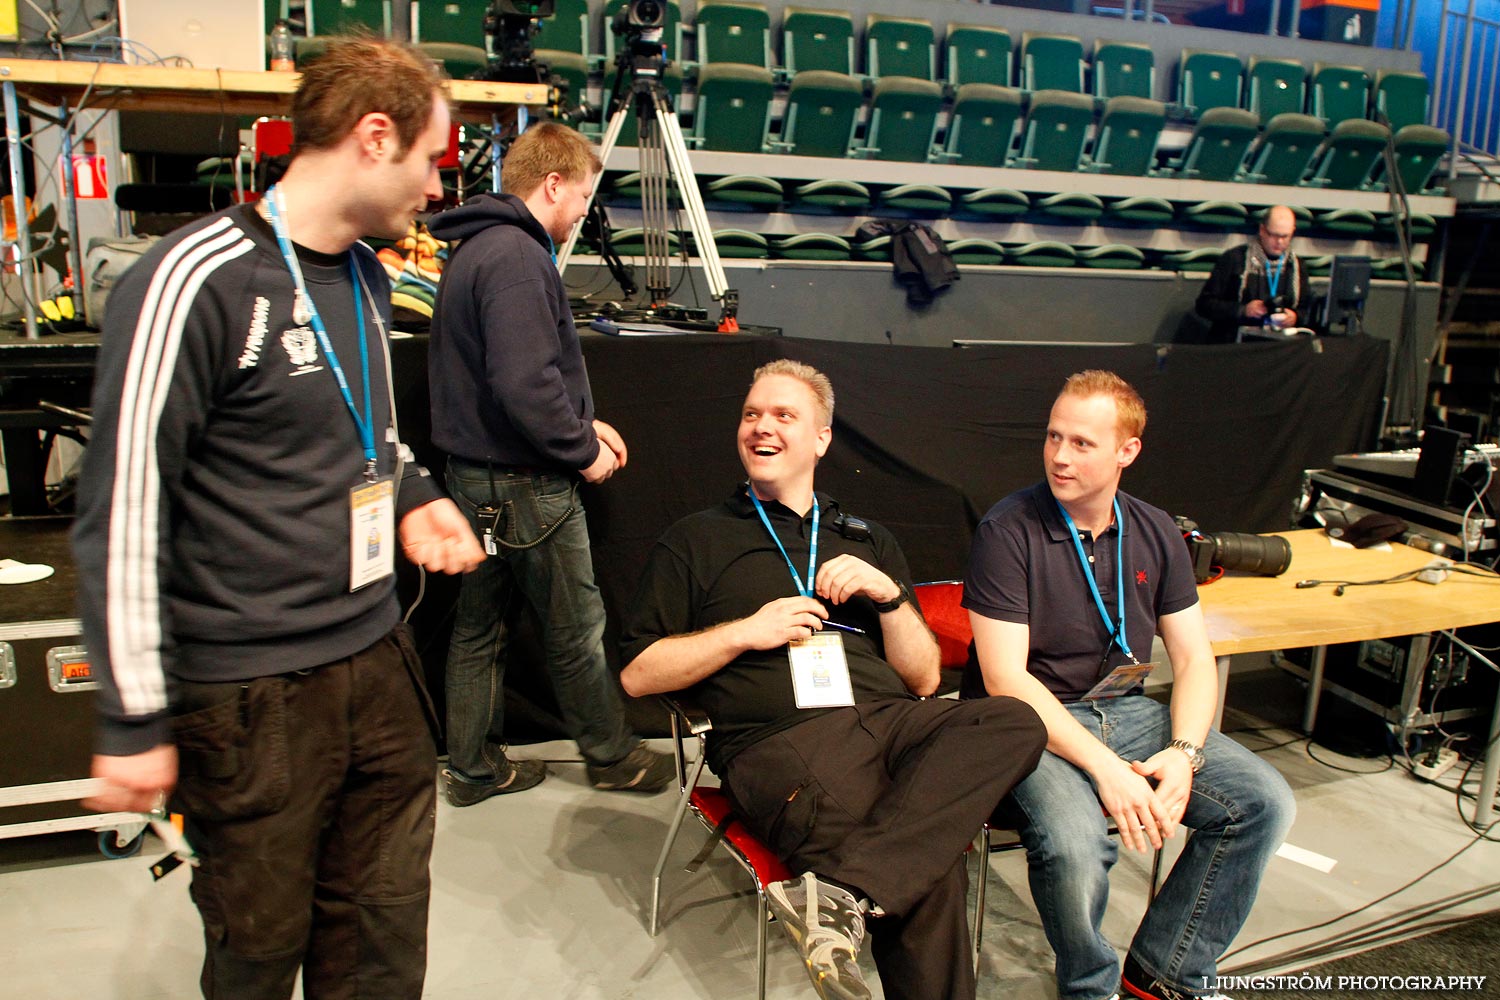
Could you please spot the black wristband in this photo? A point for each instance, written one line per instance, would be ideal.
(901, 598)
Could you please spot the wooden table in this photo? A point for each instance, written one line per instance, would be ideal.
(1257, 613)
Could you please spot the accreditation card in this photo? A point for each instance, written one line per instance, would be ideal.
(820, 673)
(372, 532)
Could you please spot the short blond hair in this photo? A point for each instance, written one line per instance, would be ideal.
(822, 388)
(359, 75)
(1130, 409)
(547, 148)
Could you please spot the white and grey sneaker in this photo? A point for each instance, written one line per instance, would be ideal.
(826, 924)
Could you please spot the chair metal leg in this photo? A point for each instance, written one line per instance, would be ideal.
(762, 920)
(661, 860)
(983, 879)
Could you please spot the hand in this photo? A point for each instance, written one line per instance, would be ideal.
(845, 576)
(603, 466)
(1288, 317)
(610, 438)
(1132, 804)
(1256, 309)
(437, 537)
(1174, 782)
(779, 622)
(136, 783)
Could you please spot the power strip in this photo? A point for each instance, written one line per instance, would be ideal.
(1446, 758)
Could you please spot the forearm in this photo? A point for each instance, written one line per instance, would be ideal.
(1065, 736)
(1195, 697)
(911, 649)
(680, 661)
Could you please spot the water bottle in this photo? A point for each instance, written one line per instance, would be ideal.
(282, 54)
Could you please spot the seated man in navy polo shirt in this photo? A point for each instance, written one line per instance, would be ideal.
(1069, 582)
(792, 625)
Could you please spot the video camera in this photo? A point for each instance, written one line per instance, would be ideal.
(1266, 555)
(508, 27)
(639, 24)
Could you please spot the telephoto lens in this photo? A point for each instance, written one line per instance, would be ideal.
(1267, 555)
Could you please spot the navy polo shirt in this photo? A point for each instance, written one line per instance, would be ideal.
(1023, 568)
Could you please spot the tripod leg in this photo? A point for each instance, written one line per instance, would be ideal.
(687, 184)
(611, 137)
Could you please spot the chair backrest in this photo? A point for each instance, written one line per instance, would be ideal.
(1208, 80)
(1350, 154)
(1052, 138)
(733, 32)
(1419, 149)
(1126, 141)
(567, 30)
(1051, 62)
(982, 126)
(942, 605)
(900, 46)
(1401, 95)
(1339, 93)
(1276, 87)
(571, 67)
(1216, 149)
(820, 112)
(903, 119)
(978, 54)
(338, 17)
(820, 40)
(1285, 148)
(1123, 69)
(458, 21)
(734, 107)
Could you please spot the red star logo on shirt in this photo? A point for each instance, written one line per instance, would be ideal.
(1140, 576)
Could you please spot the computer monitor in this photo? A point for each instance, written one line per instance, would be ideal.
(1348, 285)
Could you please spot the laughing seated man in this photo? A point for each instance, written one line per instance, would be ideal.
(1068, 581)
(816, 680)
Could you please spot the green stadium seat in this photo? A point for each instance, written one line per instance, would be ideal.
(1073, 207)
(741, 244)
(1347, 221)
(1044, 253)
(1125, 142)
(821, 109)
(1339, 93)
(571, 68)
(624, 188)
(1214, 214)
(1123, 69)
(1207, 80)
(1275, 87)
(1216, 149)
(1284, 149)
(1348, 157)
(811, 246)
(1140, 210)
(1422, 225)
(975, 251)
(1317, 265)
(1392, 268)
(978, 54)
(831, 195)
(1113, 255)
(745, 192)
(924, 198)
(982, 125)
(459, 22)
(733, 114)
(877, 248)
(733, 32)
(994, 203)
(903, 119)
(1419, 150)
(821, 40)
(342, 17)
(900, 46)
(1401, 96)
(1052, 138)
(631, 242)
(1196, 261)
(567, 30)
(459, 61)
(1051, 62)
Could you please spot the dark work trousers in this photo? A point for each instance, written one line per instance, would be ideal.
(886, 797)
(310, 798)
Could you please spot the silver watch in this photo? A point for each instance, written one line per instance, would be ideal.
(1194, 753)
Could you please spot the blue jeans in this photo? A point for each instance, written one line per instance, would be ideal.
(1239, 812)
(557, 578)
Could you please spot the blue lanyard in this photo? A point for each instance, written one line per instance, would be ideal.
(812, 555)
(364, 424)
(1273, 278)
(1116, 632)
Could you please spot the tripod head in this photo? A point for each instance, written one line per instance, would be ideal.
(508, 28)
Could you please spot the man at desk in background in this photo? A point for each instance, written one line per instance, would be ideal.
(823, 736)
(1259, 285)
(237, 514)
(1069, 582)
(512, 407)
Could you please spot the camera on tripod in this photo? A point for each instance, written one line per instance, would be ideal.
(1265, 555)
(639, 24)
(508, 27)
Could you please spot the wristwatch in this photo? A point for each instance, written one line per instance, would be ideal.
(886, 607)
(1194, 753)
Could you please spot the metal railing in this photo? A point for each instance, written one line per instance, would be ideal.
(1463, 86)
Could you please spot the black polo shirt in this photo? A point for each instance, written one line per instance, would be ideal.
(720, 565)
(1023, 568)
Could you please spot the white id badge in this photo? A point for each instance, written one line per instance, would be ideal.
(372, 532)
(1121, 680)
(820, 673)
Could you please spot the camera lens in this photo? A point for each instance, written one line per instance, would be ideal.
(646, 13)
(1268, 555)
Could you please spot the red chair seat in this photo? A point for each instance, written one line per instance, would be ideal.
(713, 806)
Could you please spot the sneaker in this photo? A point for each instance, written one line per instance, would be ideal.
(826, 924)
(1136, 984)
(510, 776)
(641, 770)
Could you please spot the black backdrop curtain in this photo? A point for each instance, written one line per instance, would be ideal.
(927, 439)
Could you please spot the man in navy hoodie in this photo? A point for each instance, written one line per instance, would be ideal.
(511, 406)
